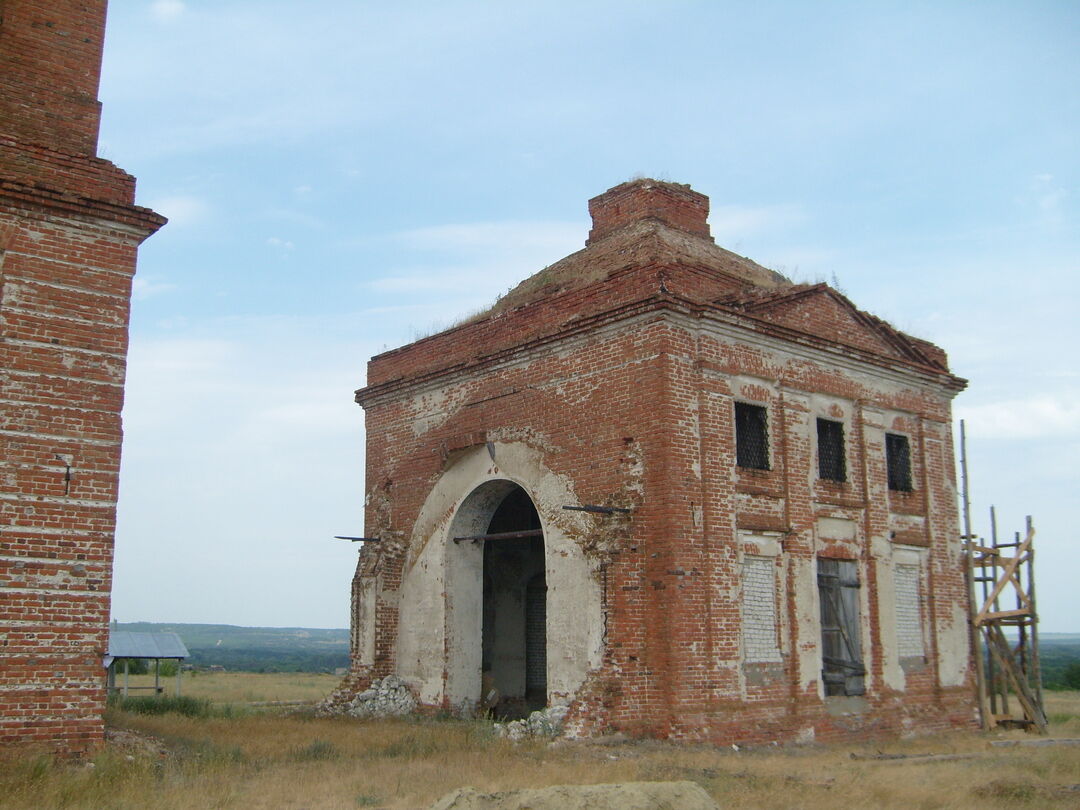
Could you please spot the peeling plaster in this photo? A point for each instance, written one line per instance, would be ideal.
(441, 595)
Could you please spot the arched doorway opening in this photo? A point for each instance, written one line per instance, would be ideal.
(514, 634)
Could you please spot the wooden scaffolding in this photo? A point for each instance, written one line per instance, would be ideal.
(1001, 577)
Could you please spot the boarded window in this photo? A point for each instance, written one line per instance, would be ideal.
(830, 445)
(759, 629)
(841, 649)
(909, 640)
(751, 436)
(898, 461)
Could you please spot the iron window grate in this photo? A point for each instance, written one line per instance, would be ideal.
(751, 436)
(832, 465)
(898, 462)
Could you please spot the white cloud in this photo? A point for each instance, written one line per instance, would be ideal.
(1040, 416)
(181, 209)
(143, 288)
(167, 10)
(1049, 196)
(733, 222)
(284, 244)
(443, 280)
(476, 261)
(554, 238)
(243, 450)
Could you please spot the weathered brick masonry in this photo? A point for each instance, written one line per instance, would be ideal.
(69, 231)
(788, 564)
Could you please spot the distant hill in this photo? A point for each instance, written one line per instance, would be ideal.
(1059, 653)
(305, 649)
(257, 649)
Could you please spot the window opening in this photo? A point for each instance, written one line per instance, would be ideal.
(831, 463)
(841, 649)
(898, 462)
(751, 436)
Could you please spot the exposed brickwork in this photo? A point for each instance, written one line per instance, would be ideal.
(69, 232)
(676, 205)
(624, 386)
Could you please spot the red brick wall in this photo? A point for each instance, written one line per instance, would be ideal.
(672, 203)
(68, 238)
(50, 61)
(624, 368)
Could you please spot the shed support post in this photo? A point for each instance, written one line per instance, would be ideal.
(179, 661)
(126, 662)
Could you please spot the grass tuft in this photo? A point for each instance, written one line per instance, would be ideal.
(411, 747)
(316, 751)
(1007, 790)
(186, 706)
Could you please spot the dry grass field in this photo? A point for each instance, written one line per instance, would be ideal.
(266, 759)
(237, 688)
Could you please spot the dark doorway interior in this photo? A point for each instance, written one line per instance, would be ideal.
(515, 610)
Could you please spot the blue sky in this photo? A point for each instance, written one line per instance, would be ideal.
(342, 177)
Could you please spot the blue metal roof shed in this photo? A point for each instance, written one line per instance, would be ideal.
(124, 644)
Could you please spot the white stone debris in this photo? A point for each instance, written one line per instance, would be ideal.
(543, 723)
(389, 697)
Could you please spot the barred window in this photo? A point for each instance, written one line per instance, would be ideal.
(830, 448)
(751, 436)
(898, 461)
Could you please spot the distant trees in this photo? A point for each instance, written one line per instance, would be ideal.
(1070, 676)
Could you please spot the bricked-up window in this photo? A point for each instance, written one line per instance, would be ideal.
(759, 610)
(841, 649)
(751, 436)
(830, 449)
(898, 461)
(909, 639)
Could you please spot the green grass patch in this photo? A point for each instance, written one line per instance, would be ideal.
(186, 706)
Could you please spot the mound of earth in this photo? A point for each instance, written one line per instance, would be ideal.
(625, 796)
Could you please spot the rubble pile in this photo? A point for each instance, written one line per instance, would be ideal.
(544, 723)
(389, 697)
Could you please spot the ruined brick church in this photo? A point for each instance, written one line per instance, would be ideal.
(665, 487)
(69, 233)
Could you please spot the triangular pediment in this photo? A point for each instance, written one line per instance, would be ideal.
(823, 312)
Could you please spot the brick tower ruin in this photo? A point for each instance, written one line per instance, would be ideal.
(69, 231)
(669, 489)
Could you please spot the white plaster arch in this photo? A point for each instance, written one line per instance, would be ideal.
(441, 596)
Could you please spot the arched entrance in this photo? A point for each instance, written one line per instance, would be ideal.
(439, 640)
(514, 634)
